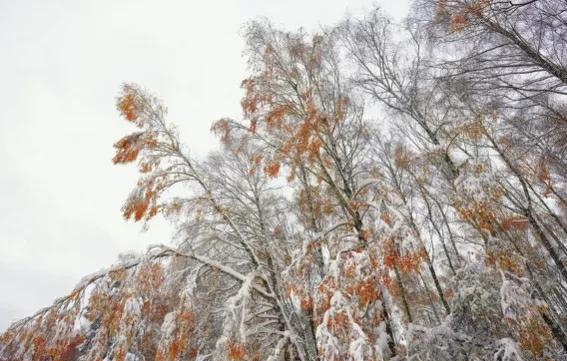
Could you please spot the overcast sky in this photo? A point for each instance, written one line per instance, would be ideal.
(61, 66)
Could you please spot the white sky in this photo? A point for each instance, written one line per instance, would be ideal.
(61, 66)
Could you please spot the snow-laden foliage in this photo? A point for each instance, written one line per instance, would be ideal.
(393, 192)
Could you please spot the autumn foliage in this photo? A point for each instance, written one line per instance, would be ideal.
(392, 192)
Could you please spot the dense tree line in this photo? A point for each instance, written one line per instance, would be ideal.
(394, 191)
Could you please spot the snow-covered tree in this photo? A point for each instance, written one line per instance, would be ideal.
(393, 192)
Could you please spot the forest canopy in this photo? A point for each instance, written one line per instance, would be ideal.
(393, 191)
